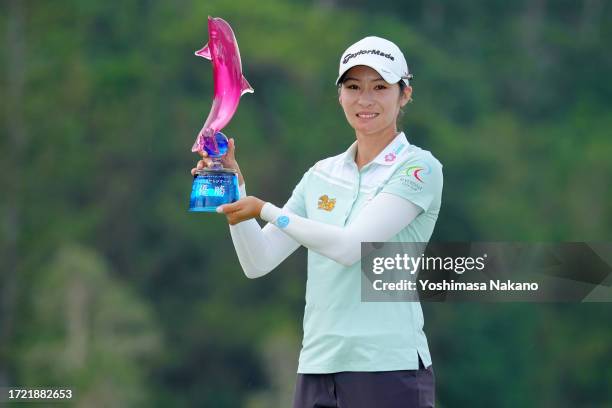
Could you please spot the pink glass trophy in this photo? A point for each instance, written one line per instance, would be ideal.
(217, 185)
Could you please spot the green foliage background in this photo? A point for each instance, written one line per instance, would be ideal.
(110, 287)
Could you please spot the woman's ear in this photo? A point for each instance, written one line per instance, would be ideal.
(406, 96)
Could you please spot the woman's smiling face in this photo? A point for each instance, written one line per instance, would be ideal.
(371, 104)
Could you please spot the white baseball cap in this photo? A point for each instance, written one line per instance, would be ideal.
(379, 54)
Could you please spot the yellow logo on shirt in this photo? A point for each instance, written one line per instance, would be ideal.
(326, 204)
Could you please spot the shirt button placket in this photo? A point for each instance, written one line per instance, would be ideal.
(355, 194)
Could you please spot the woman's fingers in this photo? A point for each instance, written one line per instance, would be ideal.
(228, 208)
(241, 210)
(231, 148)
(202, 164)
(236, 217)
(224, 209)
(234, 212)
(229, 160)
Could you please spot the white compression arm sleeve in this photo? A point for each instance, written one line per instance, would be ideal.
(260, 250)
(386, 215)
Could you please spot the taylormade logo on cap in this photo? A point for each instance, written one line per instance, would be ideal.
(379, 54)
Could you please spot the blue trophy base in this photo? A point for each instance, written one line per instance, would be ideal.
(212, 188)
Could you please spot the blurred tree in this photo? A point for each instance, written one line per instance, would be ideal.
(88, 332)
(12, 145)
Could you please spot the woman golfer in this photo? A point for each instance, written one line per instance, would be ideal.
(382, 188)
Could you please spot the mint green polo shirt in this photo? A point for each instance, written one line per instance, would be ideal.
(342, 333)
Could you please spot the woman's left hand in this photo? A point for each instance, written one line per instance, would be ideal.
(242, 210)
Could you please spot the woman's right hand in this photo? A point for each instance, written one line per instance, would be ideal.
(228, 161)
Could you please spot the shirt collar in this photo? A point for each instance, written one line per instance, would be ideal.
(388, 156)
(349, 155)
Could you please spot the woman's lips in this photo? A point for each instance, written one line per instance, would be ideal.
(367, 115)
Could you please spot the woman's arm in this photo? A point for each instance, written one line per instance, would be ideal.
(260, 250)
(385, 216)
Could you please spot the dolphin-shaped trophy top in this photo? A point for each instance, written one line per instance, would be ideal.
(229, 83)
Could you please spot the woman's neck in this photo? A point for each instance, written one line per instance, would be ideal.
(370, 146)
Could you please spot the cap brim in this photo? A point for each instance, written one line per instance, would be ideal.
(389, 77)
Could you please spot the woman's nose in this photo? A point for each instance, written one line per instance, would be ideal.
(365, 98)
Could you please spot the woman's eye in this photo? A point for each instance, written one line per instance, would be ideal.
(380, 87)
(352, 86)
